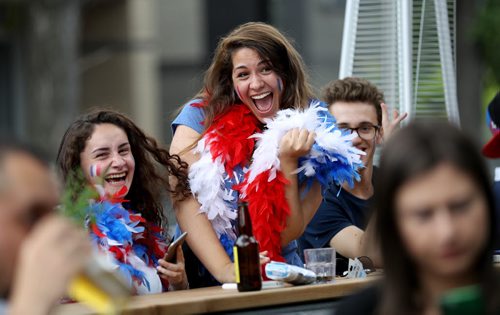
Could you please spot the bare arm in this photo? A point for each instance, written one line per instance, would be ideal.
(201, 236)
(295, 144)
(349, 242)
(353, 242)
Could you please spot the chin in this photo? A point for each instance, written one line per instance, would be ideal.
(110, 191)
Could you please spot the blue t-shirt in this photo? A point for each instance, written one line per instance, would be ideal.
(193, 117)
(190, 116)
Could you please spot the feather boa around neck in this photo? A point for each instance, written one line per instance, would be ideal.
(127, 238)
(227, 148)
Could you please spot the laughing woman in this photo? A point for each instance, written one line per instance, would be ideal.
(254, 74)
(135, 169)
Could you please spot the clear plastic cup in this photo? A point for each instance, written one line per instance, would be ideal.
(322, 262)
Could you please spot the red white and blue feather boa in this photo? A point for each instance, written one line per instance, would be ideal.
(235, 141)
(130, 243)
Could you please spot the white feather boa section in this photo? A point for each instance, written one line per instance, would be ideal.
(207, 175)
(206, 180)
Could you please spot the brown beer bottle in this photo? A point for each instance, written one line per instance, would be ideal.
(246, 253)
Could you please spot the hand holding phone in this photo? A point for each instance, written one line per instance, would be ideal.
(171, 254)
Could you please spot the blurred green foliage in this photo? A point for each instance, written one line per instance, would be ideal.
(76, 197)
(487, 36)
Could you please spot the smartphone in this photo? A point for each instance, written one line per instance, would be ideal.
(171, 253)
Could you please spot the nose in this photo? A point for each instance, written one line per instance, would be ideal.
(117, 160)
(256, 82)
(445, 227)
(356, 140)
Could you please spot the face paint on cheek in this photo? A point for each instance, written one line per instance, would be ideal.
(280, 84)
(95, 170)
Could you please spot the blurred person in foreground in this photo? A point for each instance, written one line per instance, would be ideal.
(342, 218)
(434, 208)
(492, 150)
(40, 252)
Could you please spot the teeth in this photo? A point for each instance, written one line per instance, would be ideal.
(114, 176)
(261, 96)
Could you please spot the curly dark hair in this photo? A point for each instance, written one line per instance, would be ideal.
(149, 179)
(415, 150)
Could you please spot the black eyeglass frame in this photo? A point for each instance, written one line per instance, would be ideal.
(351, 130)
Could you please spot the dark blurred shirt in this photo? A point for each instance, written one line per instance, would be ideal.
(496, 195)
(338, 210)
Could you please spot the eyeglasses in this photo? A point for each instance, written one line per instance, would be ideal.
(364, 131)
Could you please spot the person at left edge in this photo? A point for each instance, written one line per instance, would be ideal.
(40, 251)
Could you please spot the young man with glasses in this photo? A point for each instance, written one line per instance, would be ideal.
(340, 222)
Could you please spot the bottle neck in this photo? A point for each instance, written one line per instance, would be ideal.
(244, 221)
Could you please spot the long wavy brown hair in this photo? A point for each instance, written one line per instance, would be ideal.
(153, 164)
(271, 45)
(413, 151)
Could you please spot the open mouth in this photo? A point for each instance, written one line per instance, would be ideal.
(118, 178)
(263, 102)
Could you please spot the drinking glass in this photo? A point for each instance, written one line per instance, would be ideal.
(322, 262)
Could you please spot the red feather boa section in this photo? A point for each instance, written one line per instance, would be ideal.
(268, 210)
(228, 137)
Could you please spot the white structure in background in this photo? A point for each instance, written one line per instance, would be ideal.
(407, 49)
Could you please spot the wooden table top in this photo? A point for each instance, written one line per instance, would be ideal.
(216, 299)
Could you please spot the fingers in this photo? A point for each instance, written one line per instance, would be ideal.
(388, 126)
(174, 273)
(263, 259)
(311, 136)
(165, 265)
(296, 143)
(169, 273)
(57, 247)
(385, 113)
(398, 118)
(58, 236)
(180, 255)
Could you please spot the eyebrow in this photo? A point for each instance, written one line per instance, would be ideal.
(264, 61)
(100, 149)
(105, 149)
(359, 124)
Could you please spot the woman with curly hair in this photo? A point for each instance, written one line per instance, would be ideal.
(132, 172)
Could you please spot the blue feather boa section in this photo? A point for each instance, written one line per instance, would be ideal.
(122, 234)
(328, 163)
